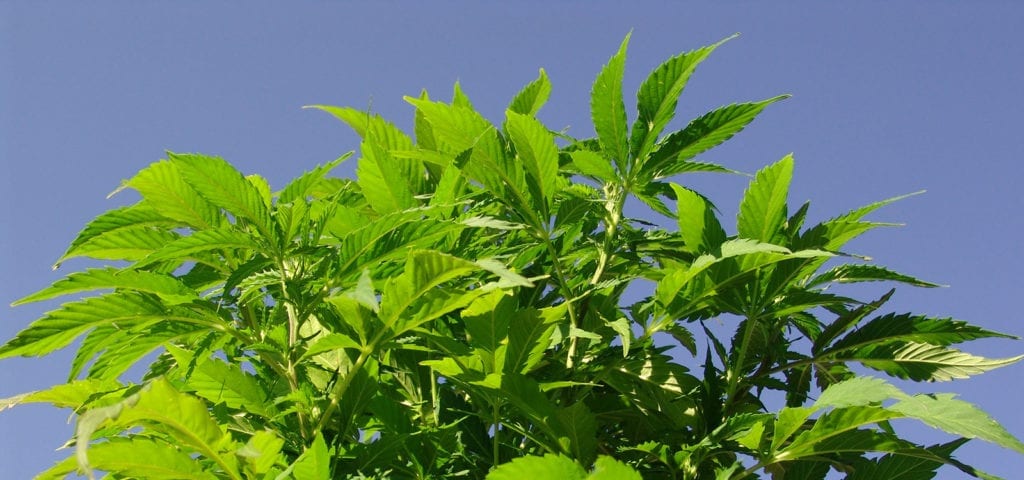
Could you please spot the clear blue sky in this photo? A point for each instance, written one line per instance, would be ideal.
(888, 99)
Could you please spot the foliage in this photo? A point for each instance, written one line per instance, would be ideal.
(462, 309)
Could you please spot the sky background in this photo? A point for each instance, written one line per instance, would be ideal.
(887, 99)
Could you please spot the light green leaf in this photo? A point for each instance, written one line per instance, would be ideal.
(659, 94)
(487, 320)
(330, 342)
(302, 186)
(262, 451)
(129, 243)
(162, 408)
(924, 362)
(853, 273)
(168, 288)
(607, 110)
(202, 241)
(221, 382)
(548, 467)
(222, 185)
(58, 328)
(138, 216)
(145, 458)
(958, 417)
(593, 165)
(912, 328)
(529, 335)
(313, 464)
(535, 148)
(763, 209)
(698, 224)
(71, 395)
(381, 180)
(165, 190)
(608, 468)
(672, 154)
(857, 391)
(533, 96)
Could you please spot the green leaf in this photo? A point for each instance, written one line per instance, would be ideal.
(925, 362)
(672, 154)
(221, 382)
(958, 417)
(58, 328)
(168, 288)
(313, 464)
(659, 95)
(607, 110)
(138, 216)
(382, 181)
(763, 209)
(165, 190)
(593, 165)
(578, 426)
(698, 224)
(852, 273)
(161, 408)
(330, 342)
(858, 391)
(548, 467)
(533, 96)
(71, 395)
(186, 248)
(487, 320)
(904, 467)
(262, 452)
(535, 148)
(225, 187)
(145, 458)
(129, 243)
(913, 328)
(608, 468)
(303, 186)
(529, 335)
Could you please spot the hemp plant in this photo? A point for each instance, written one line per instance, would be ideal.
(460, 310)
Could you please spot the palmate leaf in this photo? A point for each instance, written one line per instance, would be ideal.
(220, 382)
(223, 186)
(608, 111)
(904, 467)
(763, 208)
(658, 95)
(58, 328)
(834, 233)
(673, 153)
(118, 349)
(168, 288)
(164, 189)
(533, 96)
(161, 408)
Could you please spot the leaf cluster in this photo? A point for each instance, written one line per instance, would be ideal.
(463, 308)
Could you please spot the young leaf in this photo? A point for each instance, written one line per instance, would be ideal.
(219, 182)
(533, 96)
(535, 147)
(164, 189)
(549, 466)
(698, 224)
(763, 209)
(658, 95)
(608, 111)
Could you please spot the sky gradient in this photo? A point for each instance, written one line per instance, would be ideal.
(887, 99)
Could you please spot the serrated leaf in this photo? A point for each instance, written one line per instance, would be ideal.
(59, 327)
(163, 409)
(608, 468)
(303, 185)
(129, 243)
(698, 224)
(536, 149)
(145, 458)
(71, 395)
(607, 110)
(549, 466)
(857, 391)
(165, 190)
(313, 464)
(958, 417)
(592, 164)
(533, 96)
(763, 208)
(912, 328)
(166, 287)
(674, 151)
(658, 96)
(330, 342)
(577, 425)
(852, 273)
(924, 362)
(202, 241)
(262, 451)
(138, 216)
(382, 181)
(222, 185)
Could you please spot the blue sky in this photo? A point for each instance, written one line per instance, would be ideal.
(887, 99)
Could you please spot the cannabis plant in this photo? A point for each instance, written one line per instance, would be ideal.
(477, 303)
